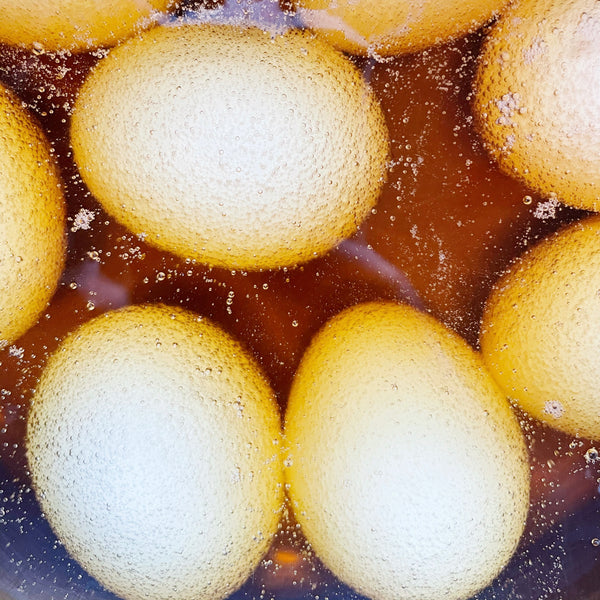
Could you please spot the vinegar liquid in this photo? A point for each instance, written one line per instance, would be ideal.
(446, 225)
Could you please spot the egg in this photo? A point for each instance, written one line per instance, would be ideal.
(537, 98)
(32, 227)
(389, 27)
(231, 146)
(540, 332)
(75, 25)
(406, 467)
(153, 442)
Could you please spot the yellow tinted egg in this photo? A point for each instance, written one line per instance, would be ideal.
(407, 469)
(32, 225)
(231, 146)
(537, 97)
(153, 445)
(75, 24)
(387, 27)
(540, 332)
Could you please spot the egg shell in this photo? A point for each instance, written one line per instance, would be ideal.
(75, 25)
(407, 469)
(389, 27)
(540, 333)
(231, 145)
(32, 226)
(153, 444)
(537, 97)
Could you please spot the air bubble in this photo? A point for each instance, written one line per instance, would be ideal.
(591, 455)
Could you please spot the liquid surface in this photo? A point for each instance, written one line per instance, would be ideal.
(446, 225)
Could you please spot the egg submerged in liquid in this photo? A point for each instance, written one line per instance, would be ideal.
(76, 25)
(153, 445)
(536, 100)
(389, 27)
(230, 145)
(32, 220)
(407, 469)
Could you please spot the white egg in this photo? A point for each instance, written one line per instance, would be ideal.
(153, 444)
(407, 469)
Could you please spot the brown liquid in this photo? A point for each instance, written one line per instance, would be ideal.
(446, 225)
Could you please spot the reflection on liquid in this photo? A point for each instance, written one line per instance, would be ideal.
(446, 225)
